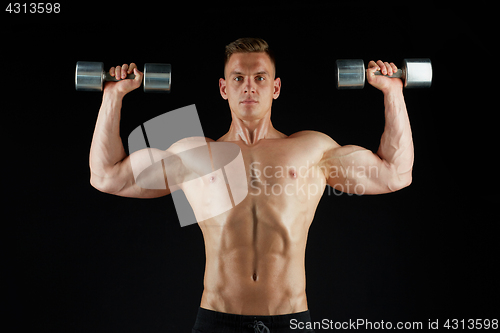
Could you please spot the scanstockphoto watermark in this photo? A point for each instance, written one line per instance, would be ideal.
(430, 324)
(265, 180)
(358, 324)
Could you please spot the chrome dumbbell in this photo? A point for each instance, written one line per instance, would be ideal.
(90, 76)
(415, 73)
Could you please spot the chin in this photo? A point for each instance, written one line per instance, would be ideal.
(249, 112)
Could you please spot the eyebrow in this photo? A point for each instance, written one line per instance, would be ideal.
(240, 73)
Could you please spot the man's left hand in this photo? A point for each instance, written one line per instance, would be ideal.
(385, 84)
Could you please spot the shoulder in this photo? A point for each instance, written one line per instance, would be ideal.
(311, 135)
(315, 137)
(189, 143)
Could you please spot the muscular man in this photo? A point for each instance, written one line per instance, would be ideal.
(254, 276)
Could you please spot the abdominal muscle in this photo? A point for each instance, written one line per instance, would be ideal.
(255, 258)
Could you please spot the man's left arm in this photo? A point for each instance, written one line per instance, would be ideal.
(354, 169)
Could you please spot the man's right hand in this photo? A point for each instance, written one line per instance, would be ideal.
(124, 86)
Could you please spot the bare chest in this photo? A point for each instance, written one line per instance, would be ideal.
(281, 161)
(271, 172)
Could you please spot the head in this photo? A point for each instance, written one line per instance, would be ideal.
(249, 83)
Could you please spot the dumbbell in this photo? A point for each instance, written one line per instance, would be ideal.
(90, 76)
(415, 73)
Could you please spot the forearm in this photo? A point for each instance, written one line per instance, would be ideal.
(107, 148)
(396, 144)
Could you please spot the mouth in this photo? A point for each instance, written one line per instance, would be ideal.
(248, 101)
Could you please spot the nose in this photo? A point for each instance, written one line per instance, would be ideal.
(249, 86)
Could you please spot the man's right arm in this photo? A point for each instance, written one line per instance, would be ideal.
(112, 171)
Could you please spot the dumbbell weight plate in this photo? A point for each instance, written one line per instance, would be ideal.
(350, 73)
(418, 73)
(157, 77)
(88, 76)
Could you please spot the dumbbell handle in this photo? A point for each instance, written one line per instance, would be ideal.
(398, 74)
(108, 77)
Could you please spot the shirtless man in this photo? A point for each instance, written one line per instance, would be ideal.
(254, 276)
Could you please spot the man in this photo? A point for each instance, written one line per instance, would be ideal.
(255, 276)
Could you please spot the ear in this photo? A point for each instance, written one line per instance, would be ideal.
(222, 88)
(277, 88)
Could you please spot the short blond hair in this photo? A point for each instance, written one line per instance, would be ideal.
(248, 45)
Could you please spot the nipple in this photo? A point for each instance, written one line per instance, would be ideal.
(211, 179)
(293, 173)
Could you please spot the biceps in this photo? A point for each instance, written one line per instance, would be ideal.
(156, 169)
(356, 170)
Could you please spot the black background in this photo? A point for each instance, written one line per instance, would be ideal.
(78, 260)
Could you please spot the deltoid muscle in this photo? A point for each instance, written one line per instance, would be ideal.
(172, 150)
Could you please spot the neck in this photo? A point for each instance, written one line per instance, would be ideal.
(252, 131)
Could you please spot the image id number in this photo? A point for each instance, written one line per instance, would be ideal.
(471, 324)
(33, 8)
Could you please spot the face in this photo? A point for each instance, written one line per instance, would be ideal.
(249, 85)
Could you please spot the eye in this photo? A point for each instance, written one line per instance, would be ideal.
(238, 78)
(260, 78)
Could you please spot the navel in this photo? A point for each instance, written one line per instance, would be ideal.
(254, 276)
(293, 173)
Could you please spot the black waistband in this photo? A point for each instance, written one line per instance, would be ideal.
(212, 320)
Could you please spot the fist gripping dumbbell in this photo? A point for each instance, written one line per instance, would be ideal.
(415, 73)
(90, 76)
